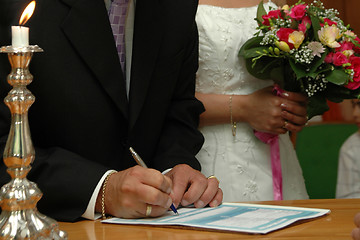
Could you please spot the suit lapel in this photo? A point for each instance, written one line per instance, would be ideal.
(84, 27)
(146, 44)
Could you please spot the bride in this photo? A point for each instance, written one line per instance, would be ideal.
(237, 104)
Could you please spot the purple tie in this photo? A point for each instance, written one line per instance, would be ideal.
(117, 16)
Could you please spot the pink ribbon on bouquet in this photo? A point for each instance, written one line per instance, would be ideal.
(273, 141)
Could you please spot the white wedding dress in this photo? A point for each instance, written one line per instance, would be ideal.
(241, 163)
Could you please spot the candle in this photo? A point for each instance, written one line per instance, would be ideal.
(20, 34)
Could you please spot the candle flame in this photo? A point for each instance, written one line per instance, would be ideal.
(27, 13)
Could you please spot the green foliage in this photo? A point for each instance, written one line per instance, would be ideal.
(260, 12)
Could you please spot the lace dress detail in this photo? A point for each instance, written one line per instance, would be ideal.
(241, 163)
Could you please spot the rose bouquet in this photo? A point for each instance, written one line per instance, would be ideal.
(306, 48)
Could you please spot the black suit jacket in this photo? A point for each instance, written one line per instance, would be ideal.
(82, 123)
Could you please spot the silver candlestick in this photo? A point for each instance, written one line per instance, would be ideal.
(20, 218)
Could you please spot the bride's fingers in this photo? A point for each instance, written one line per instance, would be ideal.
(296, 97)
(295, 119)
(294, 107)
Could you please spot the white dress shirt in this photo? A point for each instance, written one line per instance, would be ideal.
(348, 180)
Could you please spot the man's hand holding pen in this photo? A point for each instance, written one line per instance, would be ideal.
(129, 193)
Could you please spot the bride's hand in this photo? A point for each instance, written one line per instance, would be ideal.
(267, 112)
(294, 110)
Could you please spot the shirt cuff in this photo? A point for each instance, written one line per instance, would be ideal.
(90, 210)
(166, 171)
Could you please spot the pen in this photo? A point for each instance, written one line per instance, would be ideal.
(141, 163)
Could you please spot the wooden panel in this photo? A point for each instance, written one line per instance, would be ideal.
(352, 14)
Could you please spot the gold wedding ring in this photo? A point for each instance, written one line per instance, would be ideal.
(285, 124)
(148, 210)
(212, 176)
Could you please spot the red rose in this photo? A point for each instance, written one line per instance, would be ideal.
(357, 49)
(329, 22)
(298, 11)
(355, 65)
(339, 59)
(272, 14)
(352, 85)
(283, 34)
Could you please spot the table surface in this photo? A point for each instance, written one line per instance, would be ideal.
(336, 225)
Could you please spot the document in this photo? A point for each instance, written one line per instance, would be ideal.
(238, 217)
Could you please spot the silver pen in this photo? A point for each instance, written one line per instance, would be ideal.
(141, 163)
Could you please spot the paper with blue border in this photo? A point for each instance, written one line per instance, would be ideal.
(238, 217)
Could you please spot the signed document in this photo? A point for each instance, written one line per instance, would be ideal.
(238, 217)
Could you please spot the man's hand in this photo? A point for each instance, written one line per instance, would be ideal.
(191, 186)
(128, 193)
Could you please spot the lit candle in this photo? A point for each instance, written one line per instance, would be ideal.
(20, 34)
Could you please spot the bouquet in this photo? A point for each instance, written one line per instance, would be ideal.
(306, 48)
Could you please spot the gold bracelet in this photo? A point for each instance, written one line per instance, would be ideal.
(103, 195)
(233, 124)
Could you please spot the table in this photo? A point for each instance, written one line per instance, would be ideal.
(337, 225)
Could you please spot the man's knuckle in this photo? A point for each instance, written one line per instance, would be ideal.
(127, 203)
(126, 188)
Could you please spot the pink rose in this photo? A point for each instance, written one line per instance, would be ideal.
(329, 22)
(302, 27)
(283, 34)
(272, 14)
(339, 59)
(329, 57)
(307, 21)
(345, 46)
(305, 24)
(298, 11)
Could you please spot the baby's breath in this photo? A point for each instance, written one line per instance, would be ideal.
(303, 55)
(282, 23)
(270, 37)
(315, 85)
